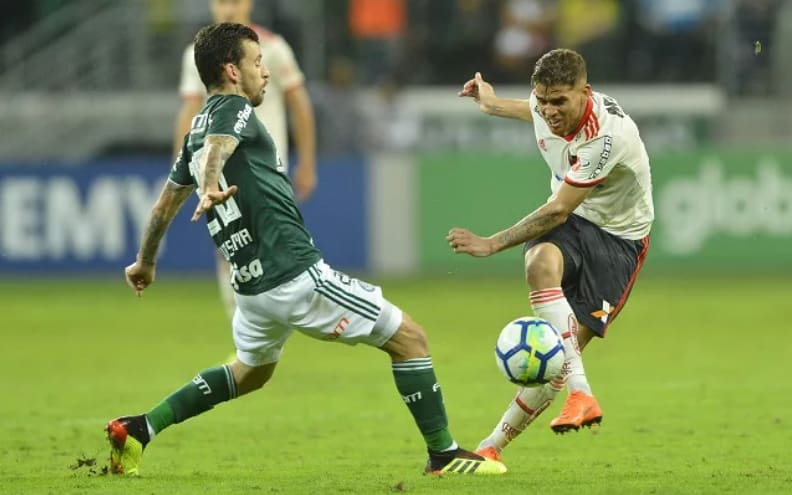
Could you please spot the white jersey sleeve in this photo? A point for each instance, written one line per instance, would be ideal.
(190, 83)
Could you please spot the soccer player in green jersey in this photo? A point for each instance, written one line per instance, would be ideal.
(280, 281)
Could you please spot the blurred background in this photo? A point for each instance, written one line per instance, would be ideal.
(88, 100)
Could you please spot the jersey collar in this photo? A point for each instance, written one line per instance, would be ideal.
(586, 115)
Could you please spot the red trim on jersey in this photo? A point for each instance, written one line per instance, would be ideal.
(583, 184)
(641, 259)
(583, 121)
(592, 127)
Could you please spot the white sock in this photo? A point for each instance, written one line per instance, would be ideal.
(526, 406)
(551, 305)
(453, 446)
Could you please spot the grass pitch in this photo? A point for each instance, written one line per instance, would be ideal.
(693, 380)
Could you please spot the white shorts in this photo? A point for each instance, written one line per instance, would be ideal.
(321, 303)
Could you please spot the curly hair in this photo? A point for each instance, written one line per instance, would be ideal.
(559, 67)
(217, 45)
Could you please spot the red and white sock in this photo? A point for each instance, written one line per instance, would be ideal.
(526, 406)
(551, 305)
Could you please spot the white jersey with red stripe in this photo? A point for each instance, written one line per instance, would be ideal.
(604, 152)
(285, 74)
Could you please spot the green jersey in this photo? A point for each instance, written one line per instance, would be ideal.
(259, 230)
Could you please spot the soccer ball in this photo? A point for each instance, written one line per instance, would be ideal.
(529, 351)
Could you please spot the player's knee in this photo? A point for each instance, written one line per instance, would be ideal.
(409, 341)
(544, 266)
(249, 379)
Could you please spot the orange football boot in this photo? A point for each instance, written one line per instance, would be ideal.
(490, 453)
(580, 409)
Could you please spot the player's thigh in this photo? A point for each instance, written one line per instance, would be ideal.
(259, 331)
(335, 307)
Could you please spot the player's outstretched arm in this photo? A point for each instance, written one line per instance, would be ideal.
(219, 149)
(483, 93)
(539, 222)
(140, 274)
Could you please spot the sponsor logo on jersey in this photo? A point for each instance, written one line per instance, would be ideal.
(577, 164)
(607, 146)
(338, 329)
(237, 241)
(242, 118)
(246, 273)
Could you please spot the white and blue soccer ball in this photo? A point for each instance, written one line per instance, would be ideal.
(529, 351)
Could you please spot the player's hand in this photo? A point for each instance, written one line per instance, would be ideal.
(139, 276)
(210, 199)
(465, 241)
(480, 90)
(305, 181)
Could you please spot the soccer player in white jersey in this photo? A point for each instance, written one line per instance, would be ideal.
(585, 245)
(287, 90)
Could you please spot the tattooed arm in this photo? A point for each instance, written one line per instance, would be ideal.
(140, 274)
(219, 149)
(539, 222)
(484, 94)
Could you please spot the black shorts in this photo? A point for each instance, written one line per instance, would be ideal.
(599, 269)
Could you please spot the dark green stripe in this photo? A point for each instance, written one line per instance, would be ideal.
(363, 301)
(347, 305)
(340, 291)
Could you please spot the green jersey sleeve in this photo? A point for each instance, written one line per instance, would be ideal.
(230, 118)
(180, 172)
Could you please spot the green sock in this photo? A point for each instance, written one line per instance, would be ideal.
(209, 388)
(416, 382)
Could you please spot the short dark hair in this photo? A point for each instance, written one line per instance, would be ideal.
(559, 67)
(217, 45)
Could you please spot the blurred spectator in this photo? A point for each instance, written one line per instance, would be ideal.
(592, 28)
(378, 26)
(782, 62)
(339, 126)
(754, 22)
(390, 125)
(675, 40)
(525, 34)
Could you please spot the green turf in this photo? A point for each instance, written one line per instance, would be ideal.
(694, 379)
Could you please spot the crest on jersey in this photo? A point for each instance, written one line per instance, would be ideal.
(576, 163)
(543, 145)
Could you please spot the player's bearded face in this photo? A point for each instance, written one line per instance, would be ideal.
(254, 74)
(562, 106)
